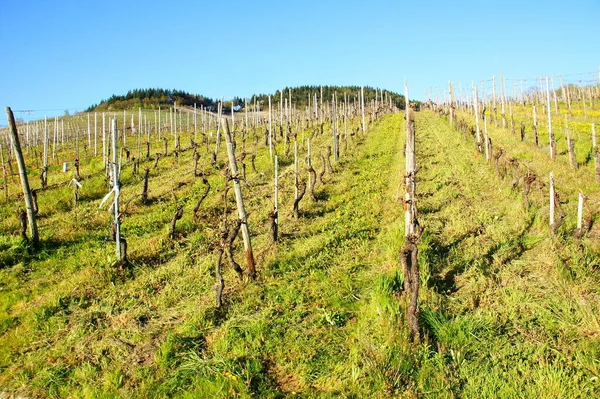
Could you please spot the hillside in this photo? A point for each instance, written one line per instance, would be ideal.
(154, 98)
(151, 99)
(507, 309)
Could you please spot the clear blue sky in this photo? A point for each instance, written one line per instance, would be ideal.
(59, 55)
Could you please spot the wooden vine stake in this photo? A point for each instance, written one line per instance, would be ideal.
(409, 251)
(116, 188)
(239, 199)
(274, 214)
(549, 112)
(486, 137)
(476, 110)
(44, 174)
(362, 105)
(270, 131)
(570, 145)
(4, 176)
(535, 126)
(557, 215)
(336, 146)
(23, 175)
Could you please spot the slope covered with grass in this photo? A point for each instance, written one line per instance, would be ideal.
(507, 311)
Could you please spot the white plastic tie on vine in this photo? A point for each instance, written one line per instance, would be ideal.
(106, 197)
(74, 181)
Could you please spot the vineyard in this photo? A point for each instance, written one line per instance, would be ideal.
(351, 245)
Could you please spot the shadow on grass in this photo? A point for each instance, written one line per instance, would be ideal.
(24, 251)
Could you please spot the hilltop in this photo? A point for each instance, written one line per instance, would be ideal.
(157, 97)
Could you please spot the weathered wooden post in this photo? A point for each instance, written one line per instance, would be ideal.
(116, 188)
(336, 146)
(274, 215)
(312, 176)
(476, 110)
(270, 131)
(486, 138)
(239, 200)
(410, 184)
(503, 100)
(451, 108)
(104, 144)
(409, 251)
(535, 126)
(570, 145)
(549, 112)
(362, 105)
(45, 165)
(23, 175)
(296, 170)
(95, 134)
(4, 175)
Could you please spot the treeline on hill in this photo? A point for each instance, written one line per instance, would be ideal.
(154, 98)
(301, 94)
(151, 98)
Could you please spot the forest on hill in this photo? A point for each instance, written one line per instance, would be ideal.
(153, 98)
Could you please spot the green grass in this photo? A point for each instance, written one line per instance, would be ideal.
(507, 311)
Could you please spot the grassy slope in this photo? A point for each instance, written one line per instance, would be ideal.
(72, 325)
(514, 311)
(508, 312)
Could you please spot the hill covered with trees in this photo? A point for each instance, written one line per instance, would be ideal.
(151, 98)
(156, 97)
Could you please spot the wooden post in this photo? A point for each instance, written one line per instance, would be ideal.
(568, 97)
(503, 100)
(95, 134)
(409, 251)
(177, 127)
(159, 125)
(554, 97)
(296, 170)
(116, 188)
(54, 138)
(4, 175)
(195, 123)
(549, 111)
(270, 131)
(309, 163)
(409, 176)
(362, 105)
(239, 199)
(451, 106)
(45, 166)
(23, 175)
(275, 226)
(289, 121)
(336, 146)
(580, 211)
(535, 126)
(345, 123)
(321, 110)
(570, 145)
(476, 110)
(89, 131)
(494, 100)
(218, 137)
(486, 138)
